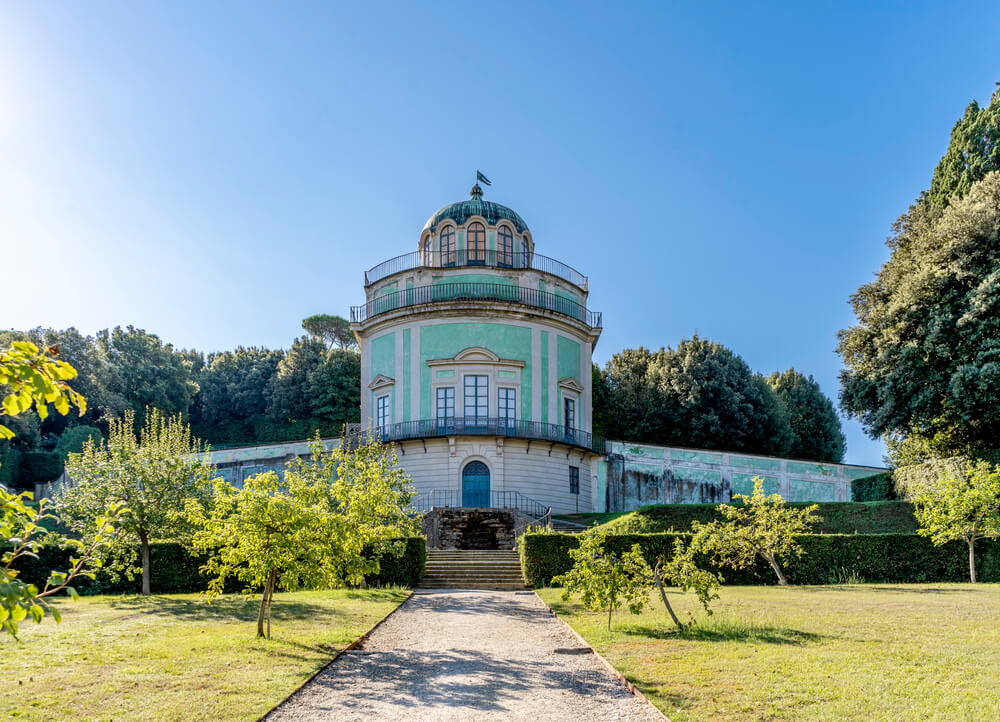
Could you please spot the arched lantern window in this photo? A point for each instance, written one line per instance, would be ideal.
(477, 244)
(525, 259)
(505, 247)
(448, 246)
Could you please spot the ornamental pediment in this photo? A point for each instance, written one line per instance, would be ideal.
(381, 381)
(571, 384)
(476, 355)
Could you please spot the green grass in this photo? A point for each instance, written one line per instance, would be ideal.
(867, 652)
(873, 517)
(177, 657)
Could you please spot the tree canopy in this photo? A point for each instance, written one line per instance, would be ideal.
(334, 331)
(973, 153)
(815, 426)
(924, 357)
(700, 394)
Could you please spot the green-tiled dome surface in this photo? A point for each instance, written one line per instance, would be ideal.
(463, 210)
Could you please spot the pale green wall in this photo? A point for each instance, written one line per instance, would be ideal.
(473, 278)
(383, 354)
(568, 358)
(445, 340)
(406, 374)
(545, 376)
(743, 483)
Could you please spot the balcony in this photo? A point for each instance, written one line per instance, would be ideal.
(482, 259)
(478, 426)
(451, 292)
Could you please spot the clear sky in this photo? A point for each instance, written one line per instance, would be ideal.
(215, 172)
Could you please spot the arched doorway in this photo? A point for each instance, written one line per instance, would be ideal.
(476, 484)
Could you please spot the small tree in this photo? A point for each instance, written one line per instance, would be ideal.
(606, 581)
(154, 474)
(682, 572)
(955, 499)
(23, 530)
(323, 525)
(760, 526)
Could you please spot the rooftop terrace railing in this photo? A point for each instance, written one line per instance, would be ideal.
(443, 498)
(465, 258)
(479, 426)
(445, 292)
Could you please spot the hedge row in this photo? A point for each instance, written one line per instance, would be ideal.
(892, 558)
(878, 487)
(175, 570)
(841, 517)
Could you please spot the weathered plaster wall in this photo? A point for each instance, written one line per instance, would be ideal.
(641, 474)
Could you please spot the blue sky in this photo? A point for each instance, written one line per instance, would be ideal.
(215, 172)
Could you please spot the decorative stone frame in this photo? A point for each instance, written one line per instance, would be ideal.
(479, 361)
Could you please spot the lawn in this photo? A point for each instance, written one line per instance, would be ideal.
(865, 652)
(177, 657)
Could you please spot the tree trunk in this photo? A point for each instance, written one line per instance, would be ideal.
(663, 596)
(972, 560)
(777, 570)
(609, 617)
(265, 608)
(144, 542)
(270, 601)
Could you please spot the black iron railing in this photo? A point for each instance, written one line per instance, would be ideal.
(442, 498)
(466, 257)
(444, 292)
(478, 426)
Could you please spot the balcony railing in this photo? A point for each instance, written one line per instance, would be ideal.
(439, 498)
(444, 292)
(465, 258)
(478, 426)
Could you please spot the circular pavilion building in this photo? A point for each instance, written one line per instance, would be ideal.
(476, 363)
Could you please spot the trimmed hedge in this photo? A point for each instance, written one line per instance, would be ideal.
(892, 558)
(175, 570)
(878, 487)
(840, 517)
(38, 467)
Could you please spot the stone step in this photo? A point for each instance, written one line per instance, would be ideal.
(473, 575)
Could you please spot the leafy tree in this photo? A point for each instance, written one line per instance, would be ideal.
(153, 473)
(955, 498)
(922, 359)
(314, 528)
(138, 370)
(334, 331)
(761, 526)
(23, 530)
(34, 379)
(72, 440)
(682, 571)
(699, 394)
(603, 580)
(336, 391)
(816, 432)
(973, 153)
(234, 390)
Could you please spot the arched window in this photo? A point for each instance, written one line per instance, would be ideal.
(525, 260)
(505, 247)
(448, 246)
(477, 244)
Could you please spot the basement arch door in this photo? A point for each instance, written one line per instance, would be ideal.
(476, 484)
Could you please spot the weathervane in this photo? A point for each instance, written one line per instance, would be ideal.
(476, 191)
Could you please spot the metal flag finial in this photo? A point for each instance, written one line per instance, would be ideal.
(476, 191)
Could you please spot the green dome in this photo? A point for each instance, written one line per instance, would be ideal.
(463, 210)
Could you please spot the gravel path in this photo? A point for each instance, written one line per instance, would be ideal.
(467, 655)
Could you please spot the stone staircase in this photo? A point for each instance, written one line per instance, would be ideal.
(563, 525)
(472, 569)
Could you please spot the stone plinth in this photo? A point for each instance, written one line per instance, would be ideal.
(470, 528)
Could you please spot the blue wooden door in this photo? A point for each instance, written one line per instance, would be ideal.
(476, 484)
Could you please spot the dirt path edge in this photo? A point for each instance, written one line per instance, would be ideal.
(353, 645)
(628, 685)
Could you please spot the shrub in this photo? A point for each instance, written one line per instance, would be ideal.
(38, 467)
(878, 558)
(177, 570)
(878, 487)
(10, 464)
(841, 517)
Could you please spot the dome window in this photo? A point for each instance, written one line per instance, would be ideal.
(505, 247)
(448, 246)
(477, 244)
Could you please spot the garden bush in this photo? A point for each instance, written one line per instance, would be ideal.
(843, 517)
(175, 570)
(878, 487)
(38, 467)
(887, 558)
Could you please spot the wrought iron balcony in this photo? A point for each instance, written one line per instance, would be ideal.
(471, 258)
(445, 292)
(439, 498)
(478, 426)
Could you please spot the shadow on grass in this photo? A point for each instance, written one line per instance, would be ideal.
(229, 607)
(725, 630)
(882, 587)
